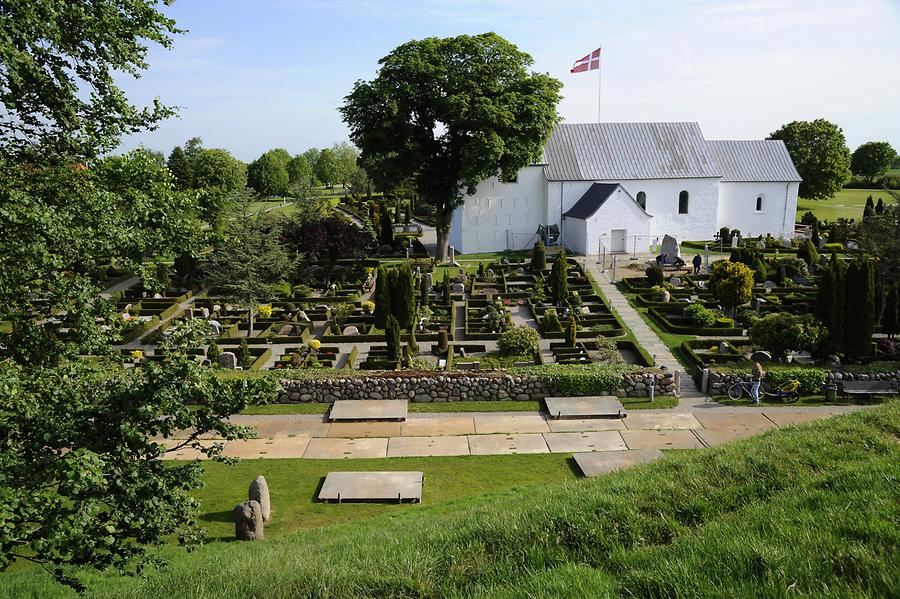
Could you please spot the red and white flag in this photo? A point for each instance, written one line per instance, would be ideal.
(591, 62)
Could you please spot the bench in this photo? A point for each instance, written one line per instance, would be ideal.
(867, 388)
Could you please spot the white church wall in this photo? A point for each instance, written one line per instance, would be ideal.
(619, 212)
(737, 207)
(574, 233)
(501, 216)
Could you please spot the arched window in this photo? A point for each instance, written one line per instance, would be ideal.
(759, 204)
(683, 202)
(642, 199)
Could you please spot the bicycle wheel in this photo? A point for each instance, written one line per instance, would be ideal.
(793, 397)
(736, 391)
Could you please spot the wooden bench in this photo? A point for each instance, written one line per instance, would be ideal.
(867, 388)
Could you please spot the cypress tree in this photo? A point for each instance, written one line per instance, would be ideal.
(830, 305)
(404, 296)
(397, 212)
(244, 357)
(448, 300)
(816, 235)
(760, 272)
(571, 332)
(879, 293)
(213, 353)
(387, 227)
(423, 292)
(393, 278)
(180, 168)
(859, 308)
(539, 257)
(382, 297)
(890, 315)
(392, 334)
(879, 207)
(559, 284)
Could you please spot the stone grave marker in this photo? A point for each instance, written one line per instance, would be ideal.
(760, 245)
(259, 492)
(215, 326)
(761, 356)
(351, 330)
(302, 316)
(770, 285)
(248, 521)
(458, 288)
(227, 360)
(204, 312)
(669, 249)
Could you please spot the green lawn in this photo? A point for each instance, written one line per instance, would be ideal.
(847, 203)
(806, 511)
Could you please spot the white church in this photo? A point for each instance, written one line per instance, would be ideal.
(618, 186)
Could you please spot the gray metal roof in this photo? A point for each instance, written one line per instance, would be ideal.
(625, 151)
(754, 160)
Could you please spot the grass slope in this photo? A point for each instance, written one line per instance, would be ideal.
(847, 203)
(803, 511)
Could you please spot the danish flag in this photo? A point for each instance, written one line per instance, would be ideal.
(591, 62)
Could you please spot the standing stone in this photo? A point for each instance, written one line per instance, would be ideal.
(669, 249)
(248, 521)
(228, 360)
(259, 492)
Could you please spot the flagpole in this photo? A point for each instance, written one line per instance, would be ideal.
(599, 82)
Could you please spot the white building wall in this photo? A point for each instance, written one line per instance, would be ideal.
(501, 216)
(574, 232)
(619, 212)
(737, 208)
(662, 203)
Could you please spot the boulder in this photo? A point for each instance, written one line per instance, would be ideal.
(259, 492)
(248, 521)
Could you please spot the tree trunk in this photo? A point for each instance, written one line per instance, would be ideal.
(250, 330)
(442, 237)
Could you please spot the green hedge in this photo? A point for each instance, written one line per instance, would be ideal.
(670, 327)
(578, 379)
(811, 378)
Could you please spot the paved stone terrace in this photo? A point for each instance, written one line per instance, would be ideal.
(459, 434)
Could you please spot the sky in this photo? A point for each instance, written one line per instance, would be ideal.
(253, 75)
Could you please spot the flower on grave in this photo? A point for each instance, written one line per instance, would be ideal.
(137, 355)
(314, 344)
(265, 311)
(368, 306)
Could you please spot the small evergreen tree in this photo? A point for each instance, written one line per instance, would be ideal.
(180, 168)
(809, 254)
(403, 294)
(830, 305)
(890, 315)
(387, 227)
(424, 299)
(213, 353)
(559, 283)
(816, 235)
(731, 283)
(392, 334)
(443, 341)
(725, 235)
(879, 207)
(382, 297)
(760, 272)
(244, 357)
(448, 300)
(539, 257)
(572, 332)
(859, 308)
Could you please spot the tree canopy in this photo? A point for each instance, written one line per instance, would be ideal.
(872, 159)
(820, 153)
(268, 174)
(449, 113)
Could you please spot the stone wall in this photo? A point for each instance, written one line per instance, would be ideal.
(457, 387)
(719, 382)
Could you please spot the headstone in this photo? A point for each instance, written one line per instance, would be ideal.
(286, 330)
(723, 348)
(761, 356)
(453, 255)
(760, 245)
(215, 326)
(802, 281)
(429, 281)
(585, 310)
(259, 492)
(322, 307)
(351, 330)
(204, 312)
(770, 285)
(519, 272)
(852, 245)
(157, 296)
(248, 521)
(823, 260)
(785, 243)
(458, 288)
(669, 249)
(228, 360)
(301, 315)
(735, 240)
(675, 282)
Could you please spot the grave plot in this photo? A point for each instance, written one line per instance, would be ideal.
(378, 359)
(399, 487)
(306, 356)
(486, 319)
(368, 410)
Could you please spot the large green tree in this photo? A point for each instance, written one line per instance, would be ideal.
(268, 174)
(872, 159)
(820, 153)
(731, 283)
(180, 168)
(346, 156)
(218, 176)
(448, 113)
(300, 176)
(327, 169)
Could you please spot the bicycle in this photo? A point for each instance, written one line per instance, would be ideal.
(789, 391)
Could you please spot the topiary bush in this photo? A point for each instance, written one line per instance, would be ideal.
(518, 341)
(700, 315)
(654, 275)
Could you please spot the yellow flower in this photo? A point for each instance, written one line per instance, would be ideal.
(314, 344)
(137, 354)
(265, 311)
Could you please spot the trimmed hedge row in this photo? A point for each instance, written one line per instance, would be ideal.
(670, 327)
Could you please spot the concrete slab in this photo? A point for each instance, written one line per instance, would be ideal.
(748, 420)
(426, 427)
(406, 447)
(567, 425)
(785, 417)
(507, 444)
(669, 421)
(284, 447)
(395, 487)
(486, 424)
(597, 464)
(286, 428)
(353, 430)
(337, 449)
(584, 441)
(368, 409)
(677, 439)
(605, 406)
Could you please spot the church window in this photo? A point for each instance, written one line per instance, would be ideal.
(759, 204)
(642, 199)
(683, 202)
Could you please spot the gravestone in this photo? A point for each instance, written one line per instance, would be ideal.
(675, 282)
(429, 281)
(669, 249)
(216, 308)
(761, 356)
(585, 310)
(760, 245)
(351, 330)
(723, 348)
(286, 330)
(301, 315)
(227, 360)
(785, 243)
(770, 285)
(259, 492)
(735, 240)
(215, 326)
(322, 307)
(458, 288)
(519, 272)
(248, 521)
(204, 312)
(852, 245)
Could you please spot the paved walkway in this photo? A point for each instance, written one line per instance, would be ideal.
(453, 434)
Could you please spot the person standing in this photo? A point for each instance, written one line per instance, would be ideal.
(756, 380)
(697, 261)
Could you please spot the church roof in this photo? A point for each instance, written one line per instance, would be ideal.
(596, 195)
(754, 160)
(626, 151)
